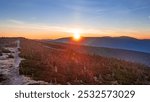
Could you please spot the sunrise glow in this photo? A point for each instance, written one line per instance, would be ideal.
(53, 19)
(76, 35)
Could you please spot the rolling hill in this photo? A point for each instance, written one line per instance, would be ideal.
(123, 42)
(124, 48)
(59, 63)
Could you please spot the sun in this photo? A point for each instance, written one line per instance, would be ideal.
(76, 35)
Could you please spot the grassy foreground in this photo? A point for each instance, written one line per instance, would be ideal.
(70, 67)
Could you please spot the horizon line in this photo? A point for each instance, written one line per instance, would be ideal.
(71, 37)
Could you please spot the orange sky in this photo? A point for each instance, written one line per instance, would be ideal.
(55, 35)
(15, 28)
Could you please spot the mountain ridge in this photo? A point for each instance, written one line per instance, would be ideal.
(122, 42)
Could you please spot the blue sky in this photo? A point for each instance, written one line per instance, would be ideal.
(100, 17)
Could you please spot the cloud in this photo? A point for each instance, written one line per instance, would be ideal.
(15, 21)
(139, 8)
(149, 17)
(21, 26)
(18, 26)
(27, 26)
(102, 11)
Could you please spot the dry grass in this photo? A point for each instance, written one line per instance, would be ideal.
(59, 66)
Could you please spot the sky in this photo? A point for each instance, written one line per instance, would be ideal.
(51, 19)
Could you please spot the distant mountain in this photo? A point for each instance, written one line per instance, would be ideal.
(123, 42)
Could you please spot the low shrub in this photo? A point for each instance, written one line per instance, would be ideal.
(1, 53)
(5, 50)
(10, 56)
(2, 78)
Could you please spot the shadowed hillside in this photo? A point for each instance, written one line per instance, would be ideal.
(122, 42)
(126, 51)
(60, 64)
